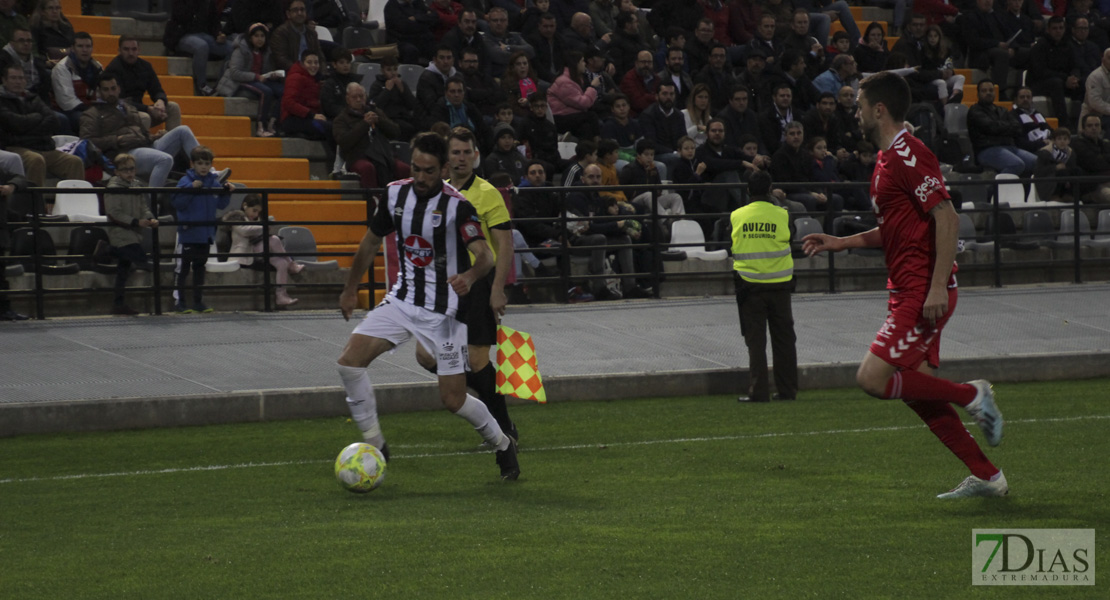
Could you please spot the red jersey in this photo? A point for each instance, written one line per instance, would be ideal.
(908, 184)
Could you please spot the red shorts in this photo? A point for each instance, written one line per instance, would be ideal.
(906, 338)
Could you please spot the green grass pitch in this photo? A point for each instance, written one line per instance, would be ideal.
(831, 496)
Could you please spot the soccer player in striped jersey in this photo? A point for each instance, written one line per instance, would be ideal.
(436, 227)
(486, 302)
(917, 232)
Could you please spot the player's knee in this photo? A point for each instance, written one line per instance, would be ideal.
(870, 383)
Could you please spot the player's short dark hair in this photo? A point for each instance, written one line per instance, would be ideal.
(547, 16)
(463, 135)
(667, 83)
(583, 149)
(82, 35)
(106, 76)
(122, 39)
(739, 88)
(455, 79)
(444, 48)
(471, 50)
(643, 145)
(607, 146)
(829, 95)
(1090, 116)
(534, 162)
(710, 123)
(759, 184)
(782, 86)
(432, 144)
(673, 49)
(890, 90)
(984, 80)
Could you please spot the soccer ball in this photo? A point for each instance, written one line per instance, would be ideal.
(360, 468)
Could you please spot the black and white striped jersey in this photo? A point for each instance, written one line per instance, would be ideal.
(432, 236)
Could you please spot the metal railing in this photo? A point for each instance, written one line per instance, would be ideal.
(652, 247)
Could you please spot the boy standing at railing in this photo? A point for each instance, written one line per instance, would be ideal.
(130, 213)
(196, 230)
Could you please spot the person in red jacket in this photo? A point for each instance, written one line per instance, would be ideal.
(639, 83)
(448, 11)
(301, 114)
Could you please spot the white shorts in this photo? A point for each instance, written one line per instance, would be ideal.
(397, 322)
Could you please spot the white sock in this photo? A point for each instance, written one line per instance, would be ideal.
(996, 475)
(476, 413)
(363, 405)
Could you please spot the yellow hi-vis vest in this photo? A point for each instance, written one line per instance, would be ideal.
(761, 243)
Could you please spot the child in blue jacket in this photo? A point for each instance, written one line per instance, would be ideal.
(194, 236)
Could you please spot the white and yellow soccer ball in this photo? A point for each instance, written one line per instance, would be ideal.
(360, 468)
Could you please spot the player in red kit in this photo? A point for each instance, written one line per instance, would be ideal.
(918, 233)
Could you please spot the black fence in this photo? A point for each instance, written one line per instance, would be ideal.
(651, 246)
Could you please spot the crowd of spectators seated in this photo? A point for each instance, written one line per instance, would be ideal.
(769, 76)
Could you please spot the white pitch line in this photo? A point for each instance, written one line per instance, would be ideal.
(722, 438)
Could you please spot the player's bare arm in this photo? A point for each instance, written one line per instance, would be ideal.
(947, 232)
(816, 243)
(483, 262)
(504, 240)
(367, 248)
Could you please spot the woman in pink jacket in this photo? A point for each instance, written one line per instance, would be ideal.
(571, 99)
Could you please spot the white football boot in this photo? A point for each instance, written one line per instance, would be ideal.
(973, 487)
(985, 412)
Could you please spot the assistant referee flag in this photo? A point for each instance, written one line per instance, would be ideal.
(518, 373)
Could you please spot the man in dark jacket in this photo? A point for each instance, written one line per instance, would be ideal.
(481, 89)
(457, 111)
(739, 119)
(1052, 70)
(333, 90)
(465, 36)
(136, 77)
(21, 51)
(719, 79)
(541, 136)
(296, 32)
(994, 133)
(389, 93)
(821, 121)
(26, 127)
(544, 205)
(432, 84)
(363, 133)
(982, 36)
(626, 42)
(723, 164)
(773, 121)
(408, 23)
(663, 125)
(1092, 153)
(550, 52)
(792, 164)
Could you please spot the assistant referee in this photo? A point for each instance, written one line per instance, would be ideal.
(763, 271)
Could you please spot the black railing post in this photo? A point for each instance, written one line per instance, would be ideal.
(1075, 238)
(265, 219)
(996, 210)
(564, 256)
(36, 260)
(156, 254)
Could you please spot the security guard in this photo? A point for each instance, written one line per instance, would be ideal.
(764, 277)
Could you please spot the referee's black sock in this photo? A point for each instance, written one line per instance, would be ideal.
(485, 383)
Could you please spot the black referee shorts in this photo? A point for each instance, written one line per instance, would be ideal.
(481, 323)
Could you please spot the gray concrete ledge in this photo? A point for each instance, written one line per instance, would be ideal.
(274, 405)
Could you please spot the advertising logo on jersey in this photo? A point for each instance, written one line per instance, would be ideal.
(928, 186)
(419, 251)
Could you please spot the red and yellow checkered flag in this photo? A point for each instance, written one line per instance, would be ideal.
(518, 373)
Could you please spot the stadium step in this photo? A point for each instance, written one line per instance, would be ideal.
(291, 184)
(243, 146)
(176, 85)
(265, 168)
(95, 25)
(325, 210)
(364, 298)
(345, 252)
(218, 126)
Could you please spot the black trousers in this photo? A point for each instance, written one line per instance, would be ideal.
(194, 257)
(762, 308)
(126, 257)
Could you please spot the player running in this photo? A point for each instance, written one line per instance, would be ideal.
(918, 233)
(486, 303)
(435, 228)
